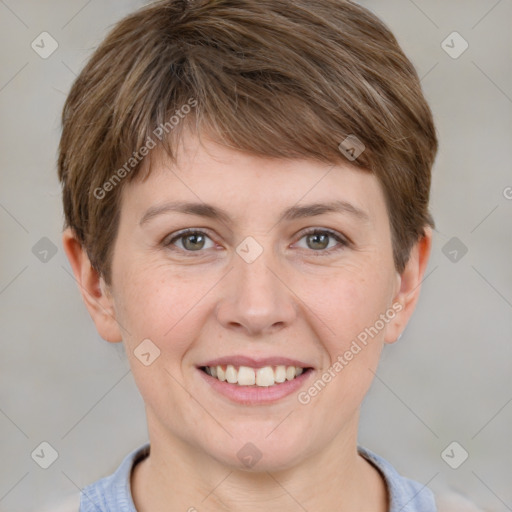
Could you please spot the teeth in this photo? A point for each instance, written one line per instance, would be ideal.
(262, 377)
(290, 373)
(246, 376)
(231, 374)
(280, 374)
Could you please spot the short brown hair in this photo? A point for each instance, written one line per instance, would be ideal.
(271, 77)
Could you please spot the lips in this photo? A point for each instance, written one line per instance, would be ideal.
(263, 391)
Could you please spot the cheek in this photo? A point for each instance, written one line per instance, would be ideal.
(160, 306)
(343, 312)
(345, 304)
(163, 307)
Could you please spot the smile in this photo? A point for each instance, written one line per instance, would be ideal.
(248, 380)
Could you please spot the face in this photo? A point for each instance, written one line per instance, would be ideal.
(263, 281)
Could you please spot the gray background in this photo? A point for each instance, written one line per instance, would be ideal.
(447, 379)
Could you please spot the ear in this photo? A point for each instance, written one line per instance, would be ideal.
(409, 286)
(95, 293)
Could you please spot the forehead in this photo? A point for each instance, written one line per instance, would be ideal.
(227, 182)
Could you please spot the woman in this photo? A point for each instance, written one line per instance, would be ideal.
(246, 189)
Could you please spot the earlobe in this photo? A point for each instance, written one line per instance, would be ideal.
(94, 291)
(410, 286)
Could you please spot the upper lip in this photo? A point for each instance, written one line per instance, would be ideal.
(239, 360)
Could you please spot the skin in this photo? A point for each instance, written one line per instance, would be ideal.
(298, 299)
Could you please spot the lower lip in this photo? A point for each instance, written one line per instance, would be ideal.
(249, 395)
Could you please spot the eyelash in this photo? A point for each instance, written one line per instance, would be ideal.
(312, 231)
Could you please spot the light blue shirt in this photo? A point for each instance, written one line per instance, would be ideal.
(113, 493)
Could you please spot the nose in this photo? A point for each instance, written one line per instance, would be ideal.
(256, 298)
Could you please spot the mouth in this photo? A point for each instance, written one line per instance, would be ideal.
(247, 376)
(248, 381)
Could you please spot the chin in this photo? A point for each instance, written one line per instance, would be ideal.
(261, 454)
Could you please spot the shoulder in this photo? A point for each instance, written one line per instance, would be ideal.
(406, 495)
(112, 493)
(410, 496)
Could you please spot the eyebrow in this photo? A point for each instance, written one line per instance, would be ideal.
(292, 213)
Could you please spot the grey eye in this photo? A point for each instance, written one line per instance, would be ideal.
(192, 241)
(318, 240)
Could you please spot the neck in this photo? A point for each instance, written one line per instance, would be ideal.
(179, 476)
